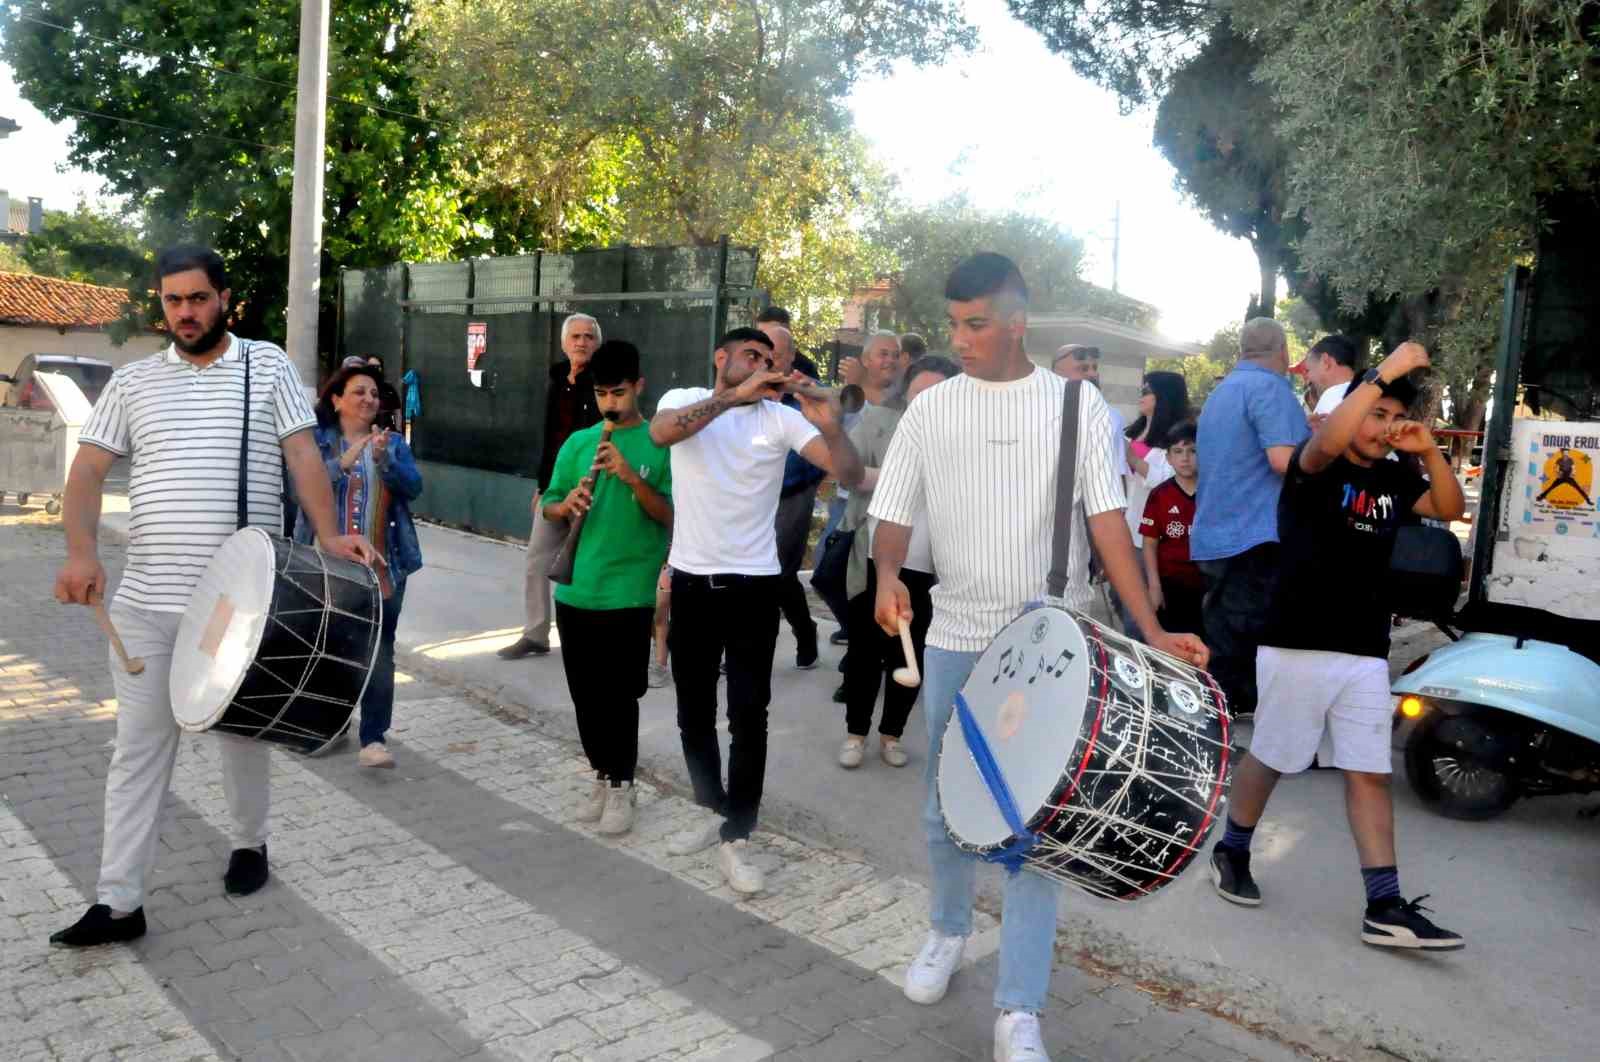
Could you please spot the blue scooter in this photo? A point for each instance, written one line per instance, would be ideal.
(1497, 717)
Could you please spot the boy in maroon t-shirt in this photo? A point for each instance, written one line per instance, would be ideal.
(1176, 585)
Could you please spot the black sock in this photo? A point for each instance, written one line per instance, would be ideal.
(1236, 838)
(1382, 883)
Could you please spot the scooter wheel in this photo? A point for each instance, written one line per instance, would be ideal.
(53, 507)
(1457, 764)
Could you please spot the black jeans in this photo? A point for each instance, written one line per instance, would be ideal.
(731, 618)
(874, 655)
(606, 653)
(793, 528)
(1182, 610)
(1236, 613)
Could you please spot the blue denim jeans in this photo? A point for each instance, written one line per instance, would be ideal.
(377, 703)
(1028, 919)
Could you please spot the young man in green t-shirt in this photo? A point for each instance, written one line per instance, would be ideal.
(604, 615)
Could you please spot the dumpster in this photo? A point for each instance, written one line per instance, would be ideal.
(37, 445)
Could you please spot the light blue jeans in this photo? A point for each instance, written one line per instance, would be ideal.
(1028, 917)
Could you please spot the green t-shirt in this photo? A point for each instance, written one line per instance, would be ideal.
(622, 549)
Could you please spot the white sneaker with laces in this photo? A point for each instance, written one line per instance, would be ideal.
(659, 675)
(851, 751)
(595, 804)
(704, 834)
(620, 802)
(928, 978)
(893, 753)
(1017, 1038)
(742, 875)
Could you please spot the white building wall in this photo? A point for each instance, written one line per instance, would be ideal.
(17, 342)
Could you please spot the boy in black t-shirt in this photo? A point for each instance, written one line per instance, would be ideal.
(1325, 684)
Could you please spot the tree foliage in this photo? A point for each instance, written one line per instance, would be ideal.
(188, 112)
(927, 242)
(89, 245)
(711, 119)
(1132, 47)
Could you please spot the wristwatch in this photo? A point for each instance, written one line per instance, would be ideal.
(1371, 376)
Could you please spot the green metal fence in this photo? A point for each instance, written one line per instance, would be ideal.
(479, 441)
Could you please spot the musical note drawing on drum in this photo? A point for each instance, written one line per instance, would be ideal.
(1118, 763)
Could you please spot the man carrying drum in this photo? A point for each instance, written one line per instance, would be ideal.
(177, 414)
(976, 459)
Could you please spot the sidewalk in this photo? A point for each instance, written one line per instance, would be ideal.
(445, 910)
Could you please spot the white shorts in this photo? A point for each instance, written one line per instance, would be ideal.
(1333, 706)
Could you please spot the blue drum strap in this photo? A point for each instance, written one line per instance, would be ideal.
(1011, 856)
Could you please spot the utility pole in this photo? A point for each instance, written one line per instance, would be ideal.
(1116, 246)
(305, 223)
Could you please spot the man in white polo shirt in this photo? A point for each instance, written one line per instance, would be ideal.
(729, 445)
(975, 459)
(178, 416)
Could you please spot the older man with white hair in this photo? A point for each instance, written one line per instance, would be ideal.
(569, 406)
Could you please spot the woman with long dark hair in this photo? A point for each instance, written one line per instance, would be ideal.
(1163, 405)
(374, 481)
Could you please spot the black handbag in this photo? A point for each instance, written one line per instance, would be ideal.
(1425, 572)
(829, 575)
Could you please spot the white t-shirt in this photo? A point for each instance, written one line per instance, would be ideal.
(1330, 399)
(980, 459)
(726, 479)
(181, 427)
(1119, 441)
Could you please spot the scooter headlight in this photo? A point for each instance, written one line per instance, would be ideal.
(1411, 707)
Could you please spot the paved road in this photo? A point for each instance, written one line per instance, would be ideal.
(446, 911)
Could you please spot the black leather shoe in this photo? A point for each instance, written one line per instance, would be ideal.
(805, 653)
(247, 871)
(839, 637)
(98, 927)
(523, 647)
(838, 694)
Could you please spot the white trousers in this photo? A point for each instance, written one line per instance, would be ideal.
(141, 766)
(544, 542)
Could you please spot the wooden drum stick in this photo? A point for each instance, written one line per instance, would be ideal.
(907, 676)
(134, 665)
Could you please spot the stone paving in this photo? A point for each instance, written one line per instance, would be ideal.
(444, 910)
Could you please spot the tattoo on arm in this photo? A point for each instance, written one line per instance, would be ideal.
(694, 416)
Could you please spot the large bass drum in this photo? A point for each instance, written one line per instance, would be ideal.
(277, 643)
(1116, 755)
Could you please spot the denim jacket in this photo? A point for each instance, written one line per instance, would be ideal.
(400, 475)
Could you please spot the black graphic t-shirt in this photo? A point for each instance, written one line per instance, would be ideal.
(1337, 530)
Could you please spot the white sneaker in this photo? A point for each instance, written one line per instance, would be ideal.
(1017, 1039)
(928, 978)
(851, 751)
(741, 874)
(893, 753)
(659, 675)
(593, 807)
(702, 835)
(375, 755)
(618, 816)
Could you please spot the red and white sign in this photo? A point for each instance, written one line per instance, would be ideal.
(477, 342)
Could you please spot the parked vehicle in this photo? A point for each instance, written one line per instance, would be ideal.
(1511, 708)
(90, 374)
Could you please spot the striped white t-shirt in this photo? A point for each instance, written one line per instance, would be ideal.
(979, 459)
(180, 426)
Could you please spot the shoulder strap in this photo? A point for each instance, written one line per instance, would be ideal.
(244, 443)
(1066, 482)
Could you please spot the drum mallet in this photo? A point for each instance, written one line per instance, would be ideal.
(133, 665)
(907, 676)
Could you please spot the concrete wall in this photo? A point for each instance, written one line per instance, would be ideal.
(18, 342)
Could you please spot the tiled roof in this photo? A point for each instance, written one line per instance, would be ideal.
(30, 300)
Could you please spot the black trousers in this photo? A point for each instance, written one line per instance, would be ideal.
(606, 653)
(1236, 614)
(873, 656)
(1182, 609)
(793, 528)
(732, 619)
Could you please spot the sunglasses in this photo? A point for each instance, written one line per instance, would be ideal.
(1145, 391)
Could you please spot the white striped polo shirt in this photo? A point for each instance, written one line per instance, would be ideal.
(980, 460)
(180, 427)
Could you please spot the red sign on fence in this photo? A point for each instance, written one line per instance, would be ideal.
(477, 342)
